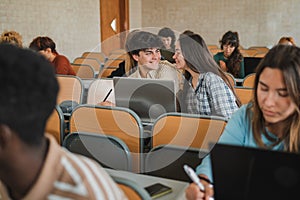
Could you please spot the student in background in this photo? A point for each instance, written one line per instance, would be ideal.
(32, 164)
(287, 40)
(168, 38)
(271, 120)
(47, 47)
(11, 37)
(143, 49)
(206, 89)
(230, 59)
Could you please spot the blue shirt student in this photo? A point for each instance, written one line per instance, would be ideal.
(238, 131)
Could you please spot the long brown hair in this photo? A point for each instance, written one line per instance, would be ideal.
(235, 59)
(199, 59)
(286, 58)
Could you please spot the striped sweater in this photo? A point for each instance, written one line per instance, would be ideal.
(70, 176)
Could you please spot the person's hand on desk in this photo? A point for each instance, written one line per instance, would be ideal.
(106, 103)
(223, 66)
(193, 192)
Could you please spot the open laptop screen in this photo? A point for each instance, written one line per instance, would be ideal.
(250, 64)
(148, 98)
(249, 173)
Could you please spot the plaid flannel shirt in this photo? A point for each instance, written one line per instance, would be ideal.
(212, 96)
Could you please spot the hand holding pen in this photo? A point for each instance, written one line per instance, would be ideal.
(192, 193)
(107, 95)
(194, 177)
(105, 102)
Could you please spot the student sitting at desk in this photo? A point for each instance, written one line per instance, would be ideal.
(32, 164)
(47, 47)
(206, 89)
(144, 48)
(230, 59)
(271, 120)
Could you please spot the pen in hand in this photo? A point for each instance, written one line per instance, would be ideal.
(107, 95)
(190, 172)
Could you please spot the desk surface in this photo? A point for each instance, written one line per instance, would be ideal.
(178, 187)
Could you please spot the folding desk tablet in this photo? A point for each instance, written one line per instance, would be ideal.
(148, 98)
(243, 173)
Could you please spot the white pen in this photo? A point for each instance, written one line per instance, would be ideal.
(191, 173)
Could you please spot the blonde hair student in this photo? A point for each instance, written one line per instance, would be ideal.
(11, 37)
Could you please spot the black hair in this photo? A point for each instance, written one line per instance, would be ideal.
(28, 88)
(232, 39)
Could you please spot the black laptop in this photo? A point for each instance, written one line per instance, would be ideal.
(250, 64)
(148, 98)
(242, 173)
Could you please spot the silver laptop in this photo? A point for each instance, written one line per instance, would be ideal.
(148, 98)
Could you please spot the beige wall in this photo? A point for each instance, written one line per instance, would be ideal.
(135, 16)
(74, 25)
(258, 22)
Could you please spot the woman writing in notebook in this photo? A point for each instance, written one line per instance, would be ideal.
(271, 120)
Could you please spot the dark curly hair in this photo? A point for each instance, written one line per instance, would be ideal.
(233, 64)
(28, 88)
